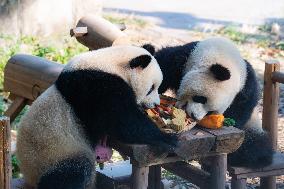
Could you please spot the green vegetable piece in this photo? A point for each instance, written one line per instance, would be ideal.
(229, 122)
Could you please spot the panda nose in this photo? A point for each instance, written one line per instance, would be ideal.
(193, 116)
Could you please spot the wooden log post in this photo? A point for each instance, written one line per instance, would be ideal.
(238, 183)
(95, 32)
(139, 177)
(5, 154)
(28, 76)
(15, 108)
(154, 178)
(270, 113)
(217, 167)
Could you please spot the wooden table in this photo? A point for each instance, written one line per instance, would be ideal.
(209, 146)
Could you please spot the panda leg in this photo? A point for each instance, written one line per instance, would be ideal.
(256, 150)
(72, 173)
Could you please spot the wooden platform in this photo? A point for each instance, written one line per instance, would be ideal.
(274, 169)
(193, 144)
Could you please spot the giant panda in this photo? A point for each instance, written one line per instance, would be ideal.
(98, 93)
(211, 76)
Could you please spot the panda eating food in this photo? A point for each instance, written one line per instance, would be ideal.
(210, 77)
(98, 93)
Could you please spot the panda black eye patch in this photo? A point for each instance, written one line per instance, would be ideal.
(141, 61)
(151, 90)
(199, 99)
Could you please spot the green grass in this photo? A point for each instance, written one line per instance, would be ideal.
(234, 34)
(280, 45)
(47, 48)
(127, 20)
(15, 167)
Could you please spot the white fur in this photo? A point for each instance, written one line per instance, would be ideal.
(50, 132)
(198, 80)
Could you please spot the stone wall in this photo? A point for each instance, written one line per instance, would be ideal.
(44, 17)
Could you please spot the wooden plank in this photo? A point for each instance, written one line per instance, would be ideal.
(79, 31)
(189, 172)
(270, 102)
(277, 163)
(278, 77)
(275, 172)
(139, 177)
(228, 139)
(5, 153)
(194, 143)
(154, 178)
(15, 108)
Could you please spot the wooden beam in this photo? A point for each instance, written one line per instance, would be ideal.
(5, 154)
(278, 77)
(189, 172)
(78, 31)
(16, 107)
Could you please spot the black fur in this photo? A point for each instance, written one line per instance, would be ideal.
(256, 150)
(220, 72)
(106, 104)
(172, 62)
(199, 99)
(150, 48)
(71, 173)
(245, 101)
(140, 61)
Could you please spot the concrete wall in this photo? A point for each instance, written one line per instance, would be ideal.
(44, 17)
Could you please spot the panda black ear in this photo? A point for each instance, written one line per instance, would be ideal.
(140, 61)
(150, 48)
(220, 72)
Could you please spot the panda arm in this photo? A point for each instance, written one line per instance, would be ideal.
(106, 104)
(130, 124)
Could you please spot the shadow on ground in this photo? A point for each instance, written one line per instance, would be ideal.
(173, 20)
